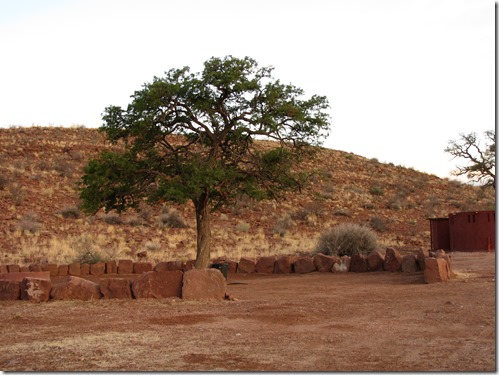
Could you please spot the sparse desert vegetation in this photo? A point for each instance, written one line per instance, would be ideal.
(40, 168)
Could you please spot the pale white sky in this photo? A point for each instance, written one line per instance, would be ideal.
(402, 76)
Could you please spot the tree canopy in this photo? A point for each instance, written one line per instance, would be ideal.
(481, 166)
(190, 136)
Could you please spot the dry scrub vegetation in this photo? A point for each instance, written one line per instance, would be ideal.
(40, 221)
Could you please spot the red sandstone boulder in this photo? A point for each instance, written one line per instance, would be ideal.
(324, 263)
(168, 266)
(35, 290)
(116, 288)
(85, 269)
(447, 258)
(51, 267)
(111, 267)
(265, 265)
(393, 260)
(76, 288)
(140, 267)
(3, 268)
(203, 284)
(283, 264)
(409, 264)
(35, 268)
(74, 269)
(375, 261)
(246, 265)
(97, 269)
(24, 269)
(125, 266)
(19, 276)
(10, 290)
(232, 266)
(63, 270)
(342, 266)
(358, 263)
(304, 264)
(189, 265)
(436, 270)
(12, 268)
(159, 285)
(420, 258)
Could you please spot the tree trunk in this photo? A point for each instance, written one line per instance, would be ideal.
(203, 232)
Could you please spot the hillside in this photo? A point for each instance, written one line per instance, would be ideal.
(39, 219)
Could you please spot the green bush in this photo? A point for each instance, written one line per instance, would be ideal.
(172, 218)
(347, 239)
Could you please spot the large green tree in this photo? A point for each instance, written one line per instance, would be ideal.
(481, 159)
(190, 137)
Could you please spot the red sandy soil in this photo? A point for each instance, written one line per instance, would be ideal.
(314, 322)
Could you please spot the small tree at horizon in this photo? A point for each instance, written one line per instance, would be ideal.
(189, 136)
(481, 168)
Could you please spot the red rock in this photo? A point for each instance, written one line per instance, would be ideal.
(13, 268)
(35, 290)
(393, 260)
(283, 264)
(420, 257)
(115, 288)
(448, 260)
(165, 284)
(304, 264)
(52, 268)
(10, 290)
(125, 266)
(246, 265)
(4, 268)
(324, 263)
(265, 265)
(74, 269)
(111, 267)
(19, 276)
(375, 261)
(85, 269)
(35, 268)
(204, 284)
(436, 270)
(168, 266)
(24, 269)
(342, 266)
(63, 270)
(232, 266)
(140, 267)
(409, 264)
(97, 269)
(189, 265)
(76, 288)
(358, 263)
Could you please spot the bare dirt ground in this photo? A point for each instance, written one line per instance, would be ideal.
(314, 322)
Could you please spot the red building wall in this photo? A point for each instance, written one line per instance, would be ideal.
(472, 231)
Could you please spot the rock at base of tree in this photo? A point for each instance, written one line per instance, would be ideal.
(165, 284)
(246, 265)
(207, 284)
(409, 263)
(375, 261)
(304, 264)
(189, 265)
(393, 260)
(116, 288)
(140, 267)
(324, 263)
(265, 264)
(76, 288)
(10, 290)
(168, 266)
(283, 265)
(125, 266)
(35, 290)
(358, 263)
(342, 266)
(436, 270)
(232, 266)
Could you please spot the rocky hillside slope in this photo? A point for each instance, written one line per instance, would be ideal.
(40, 221)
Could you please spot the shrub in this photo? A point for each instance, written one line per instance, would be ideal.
(242, 226)
(70, 212)
(378, 224)
(347, 239)
(30, 223)
(87, 250)
(172, 218)
(376, 190)
(112, 219)
(282, 225)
